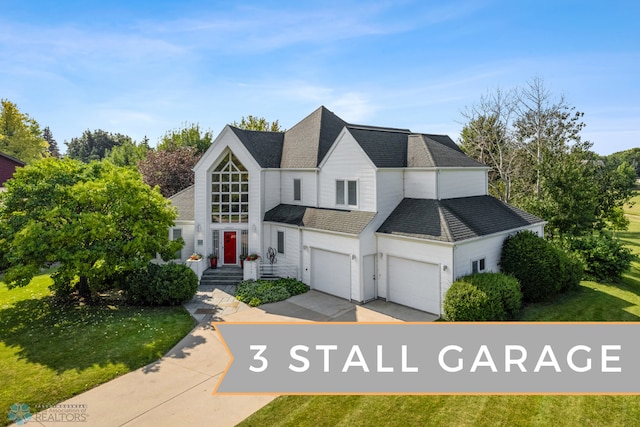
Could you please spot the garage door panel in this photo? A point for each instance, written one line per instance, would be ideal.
(414, 284)
(331, 272)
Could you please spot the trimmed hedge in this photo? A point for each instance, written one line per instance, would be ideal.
(258, 292)
(542, 269)
(483, 297)
(166, 284)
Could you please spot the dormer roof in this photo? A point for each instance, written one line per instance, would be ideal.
(306, 144)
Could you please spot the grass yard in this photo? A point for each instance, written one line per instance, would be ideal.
(51, 352)
(593, 302)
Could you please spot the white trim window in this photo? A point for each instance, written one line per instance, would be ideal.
(297, 190)
(346, 192)
(478, 265)
(230, 191)
(280, 241)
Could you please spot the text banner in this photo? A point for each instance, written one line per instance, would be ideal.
(388, 358)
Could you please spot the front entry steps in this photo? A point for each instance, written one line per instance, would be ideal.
(222, 276)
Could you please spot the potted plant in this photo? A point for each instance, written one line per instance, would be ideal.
(242, 258)
(213, 261)
(195, 257)
(252, 257)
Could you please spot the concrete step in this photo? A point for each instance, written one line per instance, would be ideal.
(222, 276)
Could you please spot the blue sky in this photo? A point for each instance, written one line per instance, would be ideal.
(145, 67)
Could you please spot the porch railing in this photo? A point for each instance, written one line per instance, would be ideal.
(278, 270)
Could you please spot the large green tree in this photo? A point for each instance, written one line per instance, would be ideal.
(258, 123)
(20, 135)
(190, 135)
(96, 219)
(94, 145)
(129, 153)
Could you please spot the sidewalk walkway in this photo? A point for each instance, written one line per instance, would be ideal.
(178, 388)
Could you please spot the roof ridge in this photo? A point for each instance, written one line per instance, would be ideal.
(444, 222)
(427, 150)
(378, 128)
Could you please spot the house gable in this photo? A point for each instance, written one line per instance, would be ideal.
(347, 162)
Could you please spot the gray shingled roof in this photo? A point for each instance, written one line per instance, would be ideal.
(306, 144)
(399, 148)
(350, 222)
(265, 147)
(184, 201)
(453, 220)
(385, 148)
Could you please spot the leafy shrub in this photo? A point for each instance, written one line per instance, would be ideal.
(542, 269)
(464, 302)
(261, 292)
(166, 284)
(533, 262)
(571, 270)
(483, 297)
(605, 258)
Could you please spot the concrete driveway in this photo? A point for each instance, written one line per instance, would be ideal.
(178, 389)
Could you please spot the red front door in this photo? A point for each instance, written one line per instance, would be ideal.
(230, 247)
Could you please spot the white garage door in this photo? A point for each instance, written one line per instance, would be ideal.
(414, 284)
(331, 273)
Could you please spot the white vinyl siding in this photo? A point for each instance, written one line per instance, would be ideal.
(460, 183)
(286, 188)
(271, 197)
(347, 157)
(420, 184)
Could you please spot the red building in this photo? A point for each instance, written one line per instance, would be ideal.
(8, 166)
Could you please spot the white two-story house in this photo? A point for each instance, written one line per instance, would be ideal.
(360, 212)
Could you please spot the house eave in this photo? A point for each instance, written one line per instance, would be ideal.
(415, 239)
(321, 230)
(459, 242)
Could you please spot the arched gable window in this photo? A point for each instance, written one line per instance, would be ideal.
(230, 191)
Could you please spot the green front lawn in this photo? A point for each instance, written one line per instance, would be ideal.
(593, 302)
(50, 352)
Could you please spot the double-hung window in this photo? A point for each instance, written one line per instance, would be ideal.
(346, 192)
(478, 265)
